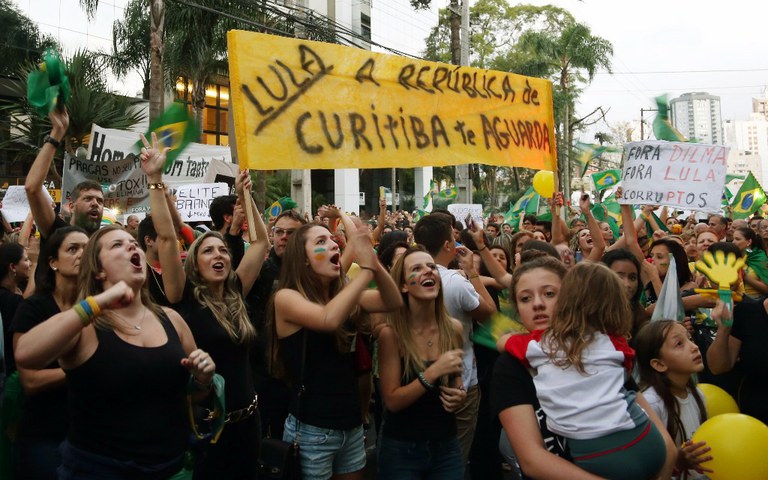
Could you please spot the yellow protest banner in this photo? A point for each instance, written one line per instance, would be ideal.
(300, 104)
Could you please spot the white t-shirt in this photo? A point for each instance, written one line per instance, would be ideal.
(581, 405)
(689, 417)
(460, 298)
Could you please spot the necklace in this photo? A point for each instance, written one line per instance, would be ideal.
(429, 340)
(137, 326)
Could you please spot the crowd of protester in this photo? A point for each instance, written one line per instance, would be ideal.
(324, 328)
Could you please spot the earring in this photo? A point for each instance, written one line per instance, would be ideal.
(54, 269)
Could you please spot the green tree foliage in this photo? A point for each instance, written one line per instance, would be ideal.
(539, 41)
(20, 39)
(90, 102)
(130, 43)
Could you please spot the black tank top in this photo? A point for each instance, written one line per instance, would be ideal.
(331, 397)
(128, 402)
(425, 419)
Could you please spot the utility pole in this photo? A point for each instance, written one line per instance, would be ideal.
(642, 121)
(463, 179)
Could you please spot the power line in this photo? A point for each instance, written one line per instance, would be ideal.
(656, 72)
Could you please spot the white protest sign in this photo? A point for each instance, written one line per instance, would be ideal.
(676, 174)
(16, 204)
(193, 201)
(460, 211)
(113, 161)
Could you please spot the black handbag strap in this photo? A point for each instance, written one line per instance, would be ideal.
(302, 387)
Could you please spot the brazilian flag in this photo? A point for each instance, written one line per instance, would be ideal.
(603, 215)
(662, 129)
(447, 194)
(175, 129)
(280, 205)
(606, 179)
(428, 197)
(528, 203)
(748, 199)
(589, 151)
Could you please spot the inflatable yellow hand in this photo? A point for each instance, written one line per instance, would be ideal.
(721, 270)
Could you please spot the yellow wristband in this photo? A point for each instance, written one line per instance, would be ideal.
(94, 306)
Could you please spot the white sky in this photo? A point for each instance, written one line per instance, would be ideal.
(670, 46)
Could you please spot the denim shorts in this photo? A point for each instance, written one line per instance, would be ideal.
(325, 452)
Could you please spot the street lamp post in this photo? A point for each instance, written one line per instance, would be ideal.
(642, 121)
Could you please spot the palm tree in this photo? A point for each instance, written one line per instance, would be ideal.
(90, 102)
(156, 37)
(567, 55)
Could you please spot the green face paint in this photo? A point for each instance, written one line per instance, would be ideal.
(411, 279)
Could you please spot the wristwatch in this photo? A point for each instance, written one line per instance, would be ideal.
(52, 141)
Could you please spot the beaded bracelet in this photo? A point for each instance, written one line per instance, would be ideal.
(424, 382)
(86, 310)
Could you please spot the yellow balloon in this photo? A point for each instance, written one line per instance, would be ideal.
(738, 447)
(544, 183)
(718, 401)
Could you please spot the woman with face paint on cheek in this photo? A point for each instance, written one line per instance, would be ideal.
(420, 363)
(314, 306)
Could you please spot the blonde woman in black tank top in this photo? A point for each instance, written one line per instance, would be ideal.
(420, 365)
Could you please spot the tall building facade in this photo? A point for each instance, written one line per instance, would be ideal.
(697, 115)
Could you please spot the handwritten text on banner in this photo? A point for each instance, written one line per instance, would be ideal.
(194, 201)
(113, 161)
(301, 104)
(686, 175)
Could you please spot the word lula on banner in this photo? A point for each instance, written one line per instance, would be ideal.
(303, 104)
(676, 174)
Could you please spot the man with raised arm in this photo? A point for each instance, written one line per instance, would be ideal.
(86, 203)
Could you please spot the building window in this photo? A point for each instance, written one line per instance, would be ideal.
(365, 26)
(215, 114)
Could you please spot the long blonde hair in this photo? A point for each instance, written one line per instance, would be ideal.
(592, 299)
(90, 284)
(398, 320)
(230, 310)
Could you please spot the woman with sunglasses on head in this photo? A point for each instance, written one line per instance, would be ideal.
(208, 293)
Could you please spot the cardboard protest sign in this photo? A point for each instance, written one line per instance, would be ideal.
(676, 174)
(113, 161)
(16, 204)
(460, 211)
(300, 104)
(193, 201)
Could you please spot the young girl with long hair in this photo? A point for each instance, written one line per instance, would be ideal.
(314, 314)
(582, 362)
(209, 294)
(667, 360)
(420, 362)
(128, 365)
